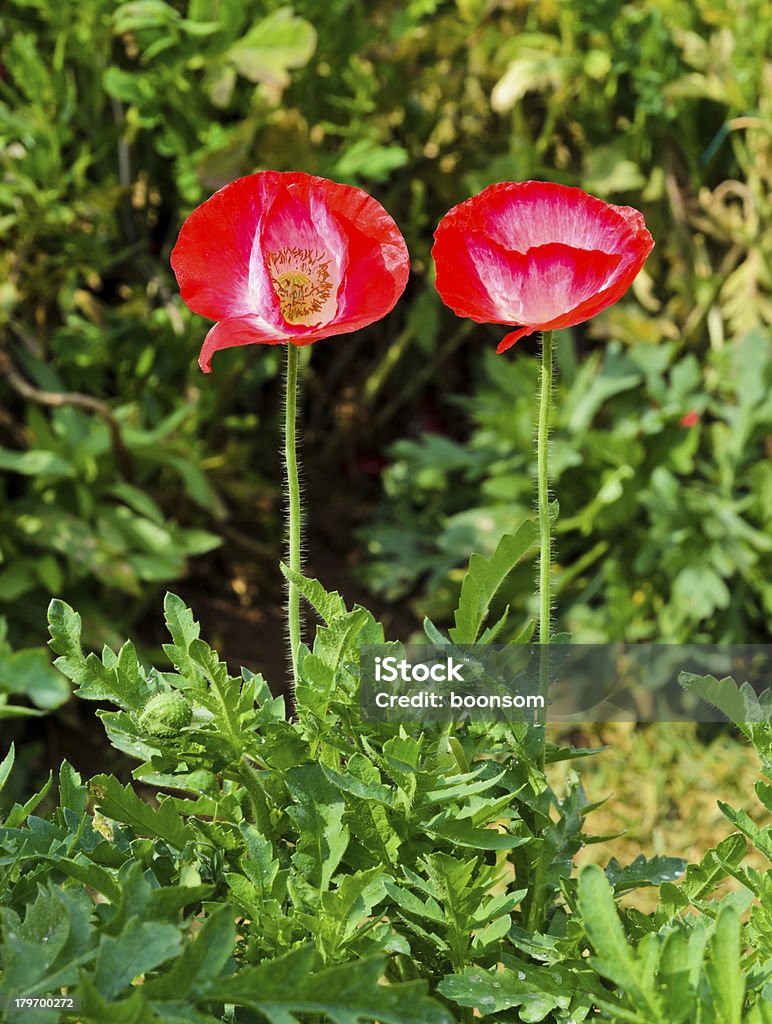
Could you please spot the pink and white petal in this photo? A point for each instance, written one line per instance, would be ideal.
(245, 330)
(460, 283)
(264, 302)
(523, 215)
(636, 223)
(633, 259)
(613, 292)
(211, 258)
(544, 283)
(300, 219)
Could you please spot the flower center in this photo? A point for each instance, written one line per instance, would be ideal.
(302, 283)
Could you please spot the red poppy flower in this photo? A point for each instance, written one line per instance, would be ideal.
(537, 254)
(690, 419)
(288, 257)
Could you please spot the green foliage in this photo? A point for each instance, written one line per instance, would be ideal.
(482, 582)
(311, 868)
(687, 971)
(709, 966)
(326, 869)
(28, 674)
(116, 120)
(106, 449)
(619, 455)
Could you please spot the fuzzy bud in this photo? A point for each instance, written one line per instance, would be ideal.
(165, 714)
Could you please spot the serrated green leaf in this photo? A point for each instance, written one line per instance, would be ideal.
(260, 863)
(676, 975)
(461, 786)
(703, 878)
(403, 752)
(760, 837)
(643, 871)
(122, 804)
(132, 1010)
(92, 875)
(317, 812)
(108, 679)
(65, 629)
(434, 635)
(184, 630)
(614, 959)
(20, 812)
(43, 953)
(464, 833)
(165, 904)
(364, 790)
(344, 910)
(346, 994)
(740, 704)
(533, 989)
(327, 604)
(428, 909)
(338, 640)
(483, 579)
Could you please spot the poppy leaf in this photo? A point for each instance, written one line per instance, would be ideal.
(485, 577)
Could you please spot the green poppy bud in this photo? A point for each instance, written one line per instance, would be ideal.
(165, 714)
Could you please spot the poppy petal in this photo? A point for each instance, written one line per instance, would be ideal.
(220, 234)
(509, 340)
(376, 278)
(300, 231)
(244, 330)
(537, 254)
(523, 215)
(538, 286)
(288, 257)
(458, 280)
(616, 288)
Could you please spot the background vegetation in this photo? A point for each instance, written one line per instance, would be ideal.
(122, 466)
(124, 472)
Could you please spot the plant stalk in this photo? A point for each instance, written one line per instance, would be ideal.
(294, 523)
(542, 469)
(545, 536)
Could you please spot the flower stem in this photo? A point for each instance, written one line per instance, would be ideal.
(542, 469)
(545, 538)
(293, 502)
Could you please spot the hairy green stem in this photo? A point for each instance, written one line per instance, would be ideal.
(293, 502)
(545, 537)
(542, 469)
